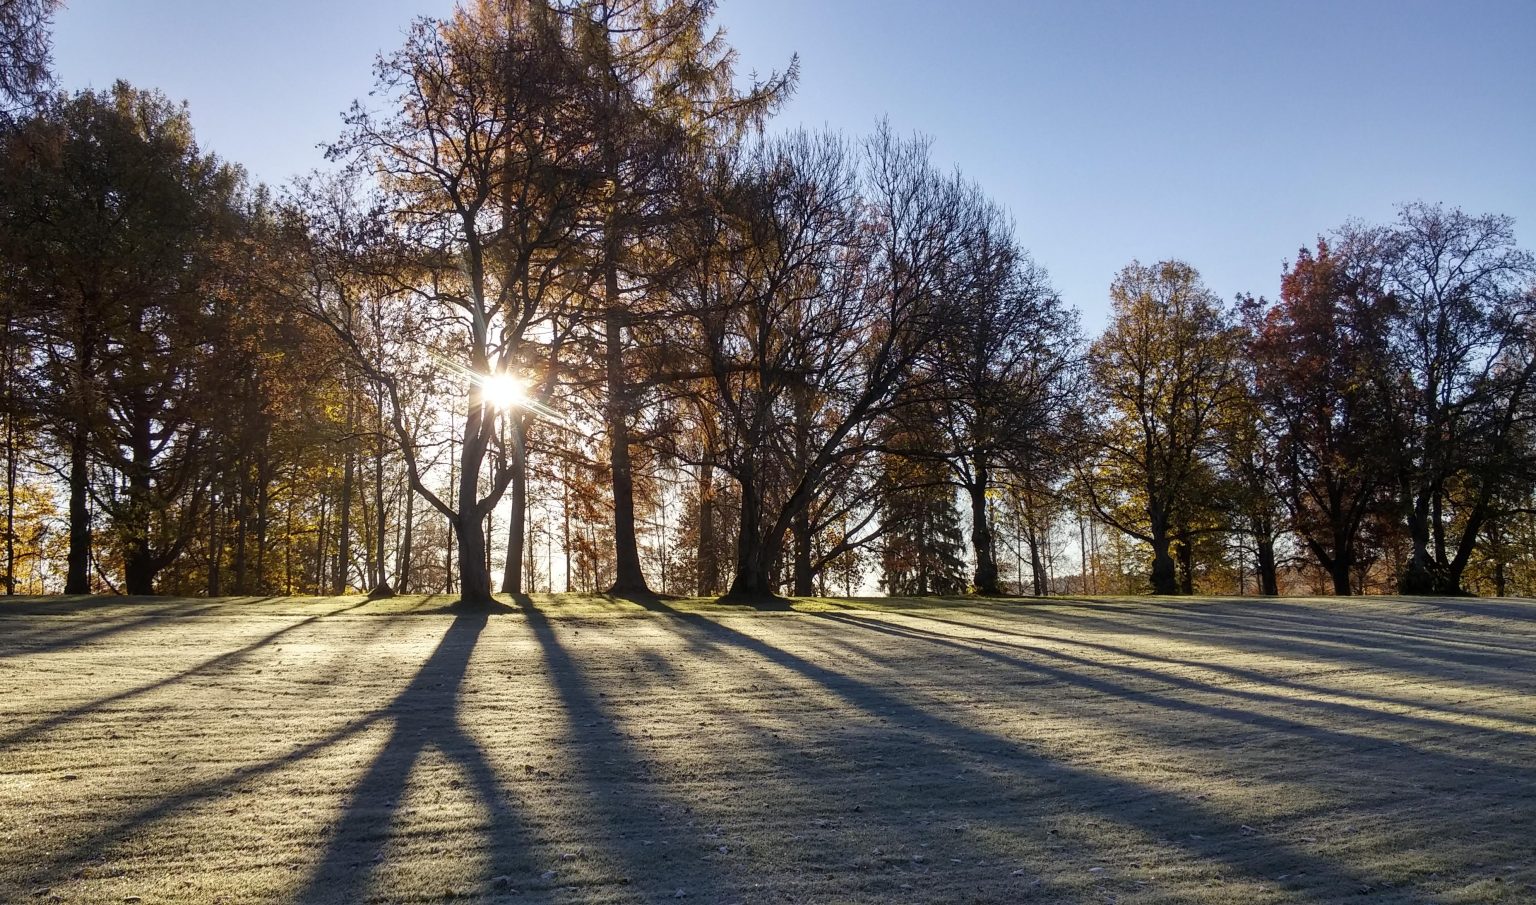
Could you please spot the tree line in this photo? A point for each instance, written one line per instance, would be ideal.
(561, 303)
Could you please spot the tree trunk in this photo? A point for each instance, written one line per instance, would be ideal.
(320, 542)
(1450, 582)
(981, 536)
(1038, 579)
(10, 476)
(1339, 569)
(1186, 566)
(1422, 574)
(453, 465)
(565, 516)
(474, 577)
(263, 522)
(804, 575)
(754, 558)
(754, 578)
(474, 570)
(380, 516)
(628, 576)
(344, 524)
(407, 537)
(241, 527)
(1164, 574)
(380, 577)
(512, 571)
(1268, 574)
(214, 553)
(139, 568)
(78, 579)
(1164, 578)
(709, 563)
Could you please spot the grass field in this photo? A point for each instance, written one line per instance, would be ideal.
(593, 750)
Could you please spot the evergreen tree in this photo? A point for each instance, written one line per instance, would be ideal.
(923, 545)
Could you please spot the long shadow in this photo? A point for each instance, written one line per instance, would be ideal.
(1410, 622)
(424, 716)
(1455, 645)
(1154, 812)
(64, 717)
(621, 786)
(1490, 607)
(1337, 644)
(1362, 698)
(24, 644)
(1355, 743)
(1248, 612)
(61, 865)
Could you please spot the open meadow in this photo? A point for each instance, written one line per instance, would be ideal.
(593, 750)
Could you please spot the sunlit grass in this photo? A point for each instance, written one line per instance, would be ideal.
(597, 749)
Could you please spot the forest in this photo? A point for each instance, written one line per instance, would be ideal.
(561, 309)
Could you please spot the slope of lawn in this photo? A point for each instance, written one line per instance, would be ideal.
(586, 749)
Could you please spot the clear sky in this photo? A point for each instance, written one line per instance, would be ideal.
(1224, 132)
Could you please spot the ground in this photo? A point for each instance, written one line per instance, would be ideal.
(591, 750)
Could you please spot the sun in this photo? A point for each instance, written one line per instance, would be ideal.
(504, 391)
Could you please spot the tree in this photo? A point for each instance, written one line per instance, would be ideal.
(24, 52)
(922, 550)
(1004, 376)
(1463, 349)
(817, 289)
(119, 229)
(1161, 373)
(661, 87)
(485, 169)
(1247, 467)
(1317, 356)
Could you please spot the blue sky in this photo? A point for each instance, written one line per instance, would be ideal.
(1224, 133)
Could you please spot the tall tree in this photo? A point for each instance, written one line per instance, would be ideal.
(1317, 355)
(661, 81)
(1161, 373)
(1246, 469)
(121, 230)
(486, 167)
(1004, 376)
(1464, 355)
(825, 288)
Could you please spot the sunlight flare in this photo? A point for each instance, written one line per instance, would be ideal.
(504, 391)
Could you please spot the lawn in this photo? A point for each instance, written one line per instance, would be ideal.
(581, 749)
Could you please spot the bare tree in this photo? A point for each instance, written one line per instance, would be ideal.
(484, 170)
(826, 286)
(1464, 345)
(1004, 373)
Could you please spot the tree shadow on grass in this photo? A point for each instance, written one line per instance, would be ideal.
(621, 785)
(1078, 671)
(424, 716)
(1447, 715)
(1308, 636)
(24, 643)
(227, 658)
(1205, 833)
